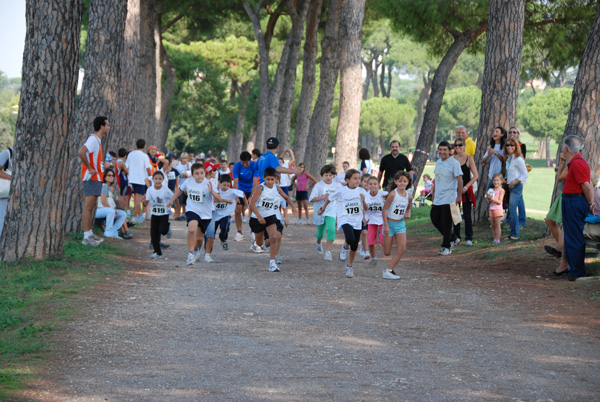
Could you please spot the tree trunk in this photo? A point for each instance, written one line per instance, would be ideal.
(351, 34)
(37, 205)
(584, 113)
(374, 77)
(438, 87)
(236, 145)
(166, 88)
(308, 80)
(548, 157)
(384, 93)
(99, 94)
(289, 83)
(232, 136)
(251, 139)
(500, 89)
(318, 134)
(422, 102)
(146, 93)
(368, 73)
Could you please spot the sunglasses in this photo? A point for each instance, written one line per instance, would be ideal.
(510, 145)
(459, 145)
(513, 132)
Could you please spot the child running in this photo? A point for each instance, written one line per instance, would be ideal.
(325, 221)
(350, 215)
(495, 196)
(302, 191)
(375, 199)
(198, 211)
(224, 210)
(364, 184)
(264, 203)
(156, 198)
(395, 210)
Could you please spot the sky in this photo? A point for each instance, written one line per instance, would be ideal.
(12, 36)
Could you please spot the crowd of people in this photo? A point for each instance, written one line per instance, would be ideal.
(367, 209)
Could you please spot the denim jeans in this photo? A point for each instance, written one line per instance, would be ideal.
(574, 211)
(522, 216)
(114, 220)
(516, 196)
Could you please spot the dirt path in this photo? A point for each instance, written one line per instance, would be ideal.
(451, 329)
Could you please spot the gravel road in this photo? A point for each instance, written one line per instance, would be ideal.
(450, 329)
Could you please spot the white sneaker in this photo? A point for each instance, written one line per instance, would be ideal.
(328, 256)
(197, 255)
(349, 272)
(278, 260)
(88, 241)
(455, 243)
(307, 222)
(319, 248)
(252, 236)
(273, 266)
(191, 259)
(390, 275)
(169, 233)
(98, 239)
(208, 258)
(469, 243)
(445, 251)
(299, 222)
(155, 256)
(264, 248)
(366, 255)
(238, 237)
(373, 262)
(254, 247)
(344, 253)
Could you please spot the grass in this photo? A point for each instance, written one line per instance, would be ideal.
(36, 297)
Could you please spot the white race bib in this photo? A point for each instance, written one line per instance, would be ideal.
(376, 207)
(196, 196)
(352, 207)
(171, 176)
(269, 203)
(159, 208)
(221, 205)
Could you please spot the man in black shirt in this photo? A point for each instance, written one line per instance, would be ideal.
(392, 163)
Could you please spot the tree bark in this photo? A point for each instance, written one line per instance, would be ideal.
(500, 89)
(251, 139)
(236, 145)
(318, 134)
(350, 82)
(289, 83)
(309, 73)
(37, 205)
(374, 70)
(99, 93)
(584, 112)
(146, 94)
(422, 102)
(165, 89)
(368, 73)
(438, 88)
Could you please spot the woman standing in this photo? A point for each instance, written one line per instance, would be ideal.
(470, 177)
(516, 174)
(495, 153)
(515, 134)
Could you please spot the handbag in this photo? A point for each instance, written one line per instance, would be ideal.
(5, 185)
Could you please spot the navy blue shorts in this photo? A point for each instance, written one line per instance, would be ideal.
(301, 195)
(139, 189)
(202, 223)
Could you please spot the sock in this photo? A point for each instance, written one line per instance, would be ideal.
(88, 234)
(272, 261)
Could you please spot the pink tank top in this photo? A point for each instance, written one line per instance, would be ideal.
(493, 205)
(302, 180)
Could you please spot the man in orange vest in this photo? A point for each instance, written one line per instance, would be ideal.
(92, 175)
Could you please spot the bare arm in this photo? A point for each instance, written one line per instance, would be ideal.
(471, 163)
(83, 156)
(588, 191)
(459, 189)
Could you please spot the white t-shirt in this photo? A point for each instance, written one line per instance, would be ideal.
(375, 203)
(183, 168)
(268, 202)
(158, 200)
(285, 177)
(137, 163)
(446, 185)
(93, 149)
(340, 178)
(428, 184)
(200, 200)
(224, 209)
(398, 206)
(320, 189)
(349, 206)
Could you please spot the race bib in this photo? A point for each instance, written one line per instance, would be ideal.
(399, 211)
(159, 208)
(352, 207)
(196, 196)
(269, 203)
(376, 207)
(171, 176)
(221, 205)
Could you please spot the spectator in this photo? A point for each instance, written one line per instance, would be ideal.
(123, 180)
(495, 154)
(256, 154)
(392, 163)
(107, 207)
(516, 175)
(554, 218)
(577, 200)
(446, 190)
(366, 166)
(6, 168)
(470, 177)
(462, 133)
(514, 133)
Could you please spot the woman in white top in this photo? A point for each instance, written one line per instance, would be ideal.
(516, 174)
(107, 207)
(366, 166)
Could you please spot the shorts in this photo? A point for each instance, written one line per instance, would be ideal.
(396, 227)
(257, 227)
(203, 224)
(365, 226)
(301, 195)
(92, 188)
(496, 213)
(182, 199)
(242, 201)
(125, 190)
(279, 229)
(372, 234)
(138, 189)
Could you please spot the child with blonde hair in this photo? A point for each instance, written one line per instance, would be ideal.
(495, 196)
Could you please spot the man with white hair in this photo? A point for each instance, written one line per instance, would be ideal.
(461, 132)
(577, 200)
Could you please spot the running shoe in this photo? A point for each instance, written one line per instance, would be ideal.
(273, 266)
(254, 247)
(319, 248)
(344, 253)
(238, 237)
(278, 260)
(373, 262)
(349, 272)
(390, 275)
(155, 256)
(191, 258)
(445, 251)
(208, 258)
(225, 245)
(328, 256)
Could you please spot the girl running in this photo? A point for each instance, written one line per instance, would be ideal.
(375, 199)
(350, 215)
(395, 210)
(325, 221)
(302, 191)
(495, 196)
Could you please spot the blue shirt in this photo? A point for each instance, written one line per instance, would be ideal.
(266, 160)
(244, 176)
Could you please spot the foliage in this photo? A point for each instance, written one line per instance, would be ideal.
(546, 113)
(9, 98)
(385, 116)
(460, 106)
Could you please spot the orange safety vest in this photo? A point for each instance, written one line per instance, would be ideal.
(95, 164)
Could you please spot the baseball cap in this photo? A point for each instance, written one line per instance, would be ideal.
(272, 143)
(209, 166)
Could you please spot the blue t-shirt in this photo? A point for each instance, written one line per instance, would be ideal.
(266, 160)
(244, 176)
